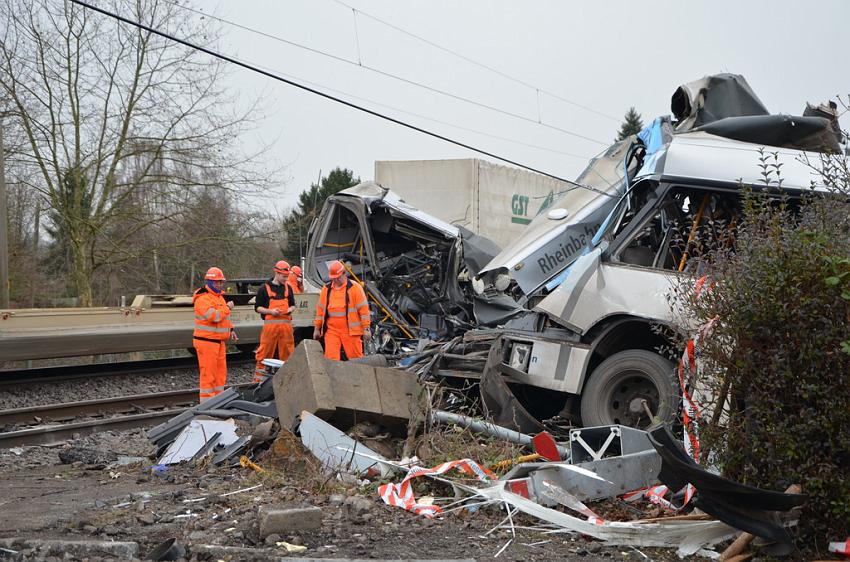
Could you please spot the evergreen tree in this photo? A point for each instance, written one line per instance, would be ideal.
(631, 126)
(310, 202)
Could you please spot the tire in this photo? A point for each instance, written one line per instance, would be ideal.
(617, 386)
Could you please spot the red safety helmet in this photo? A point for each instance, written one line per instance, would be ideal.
(296, 270)
(281, 267)
(214, 274)
(335, 269)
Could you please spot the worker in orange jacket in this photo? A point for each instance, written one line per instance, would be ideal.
(296, 280)
(275, 303)
(212, 331)
(342, 315)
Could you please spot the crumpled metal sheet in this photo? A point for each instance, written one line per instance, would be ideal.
(500, 404)
(687, 536)
(712, 98)
(336, 450)
(745, 507)
(195, 437)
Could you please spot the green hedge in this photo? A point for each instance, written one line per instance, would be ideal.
(777, 358)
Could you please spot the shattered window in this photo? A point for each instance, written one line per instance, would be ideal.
(343, 231)
(629, 206)
(682, 228)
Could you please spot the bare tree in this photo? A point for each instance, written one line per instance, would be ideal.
(122, 127)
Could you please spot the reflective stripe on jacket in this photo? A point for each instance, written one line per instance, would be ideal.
(356, 309)
(282, 304)
(212, 315)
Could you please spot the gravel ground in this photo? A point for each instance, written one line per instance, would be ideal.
(129, 443)
(128, 503)
(112, 387)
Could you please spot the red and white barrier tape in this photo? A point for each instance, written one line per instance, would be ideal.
(401, 495)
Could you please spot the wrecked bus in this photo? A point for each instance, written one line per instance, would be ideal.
(576, 310)
(595, 321)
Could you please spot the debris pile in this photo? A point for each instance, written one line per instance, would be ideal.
(370, 426)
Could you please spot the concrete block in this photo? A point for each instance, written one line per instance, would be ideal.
(341, 391)
(77, 549)
(283, 521)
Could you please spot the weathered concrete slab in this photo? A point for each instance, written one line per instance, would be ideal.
(286, 520)
(76, 549)
(342, 392)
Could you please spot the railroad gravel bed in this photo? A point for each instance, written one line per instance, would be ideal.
(126, 443)
(113, 387)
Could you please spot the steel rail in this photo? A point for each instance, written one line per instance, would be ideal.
(71, 372)
(126, 404)
(52, 435)
(175, 403)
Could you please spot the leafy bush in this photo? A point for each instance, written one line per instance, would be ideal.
(777, 358)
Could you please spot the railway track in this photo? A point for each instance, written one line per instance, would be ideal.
(59, 374)
(132, 411)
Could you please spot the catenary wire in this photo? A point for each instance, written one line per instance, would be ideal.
(359, 63)
(273, 76)
(477, 63)
(425, 117)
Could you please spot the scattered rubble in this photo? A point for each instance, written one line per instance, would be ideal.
(346, 408)
(318, 457)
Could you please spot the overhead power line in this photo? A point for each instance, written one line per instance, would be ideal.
(478, 63)
(273, 76)
(432, 119)
(360, 64)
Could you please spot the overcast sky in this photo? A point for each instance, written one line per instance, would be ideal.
(605, 56)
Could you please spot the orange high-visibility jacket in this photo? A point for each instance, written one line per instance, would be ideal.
(275, 302)
(292, 281)
(356, 308)
(212, 316)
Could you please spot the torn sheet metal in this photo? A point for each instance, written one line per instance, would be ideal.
(231, 450)
(814, 134)
(499, 403)
(336, 450)
(712, 98)
(477, 250)
(195, 437)
(597, 479)
(746, 507)
(615, 476)
(687, 536)
(167, 431)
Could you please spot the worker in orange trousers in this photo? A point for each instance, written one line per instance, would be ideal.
(342, 315)
(296, 280)
(212, 331)
(275, 303)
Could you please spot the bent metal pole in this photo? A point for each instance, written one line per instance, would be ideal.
(480, 426)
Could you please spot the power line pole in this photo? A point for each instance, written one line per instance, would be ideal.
(4, 233)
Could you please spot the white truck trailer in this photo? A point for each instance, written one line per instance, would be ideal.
(492, 200)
